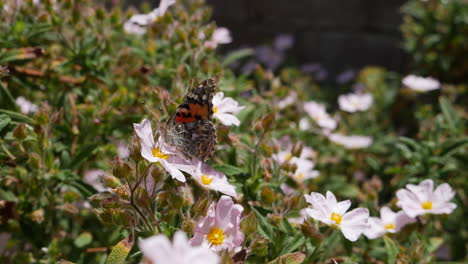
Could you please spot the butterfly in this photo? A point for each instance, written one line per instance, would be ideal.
(190, 129)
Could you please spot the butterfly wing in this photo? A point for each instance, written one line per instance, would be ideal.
(190, 129)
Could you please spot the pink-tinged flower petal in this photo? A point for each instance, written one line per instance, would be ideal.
(421, 199)
(376, 228)
(401, 220)
(226, 217)
(342, 207)
(145, 133)
(158, 249)
(444, 193)
(354, 223)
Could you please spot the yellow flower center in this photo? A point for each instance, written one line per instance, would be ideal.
(215, 109)
(336, 217)
(287, 157)
(389, 226)
(158, 154)
(427, 205)
(300, 176)
(206, 179)
(216, 236)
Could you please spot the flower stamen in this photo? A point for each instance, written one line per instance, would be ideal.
(336, 217)
(427, 205)
(389, 226)
(215, 109)
(215, 236)
(158, 154)
(206, 180)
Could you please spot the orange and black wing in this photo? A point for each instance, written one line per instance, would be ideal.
(197, 103)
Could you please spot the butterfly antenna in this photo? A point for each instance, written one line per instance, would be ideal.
(151, 111)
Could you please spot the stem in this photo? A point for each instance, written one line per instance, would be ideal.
(132, 193)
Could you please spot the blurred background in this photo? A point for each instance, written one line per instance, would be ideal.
(333, 38)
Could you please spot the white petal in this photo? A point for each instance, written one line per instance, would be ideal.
(227, 119)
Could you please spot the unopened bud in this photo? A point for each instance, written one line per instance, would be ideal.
(249, 224)
(135, 148)
(109, 181)
(297, 149)
(309, 230)
(121, 169)
(267, 195)
(20, 132)
(259, 247)
(201, 206)
(188, 226)
(35, 160)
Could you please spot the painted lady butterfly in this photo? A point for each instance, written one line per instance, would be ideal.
(190, 129)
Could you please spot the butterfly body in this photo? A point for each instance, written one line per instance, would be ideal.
(190, 129)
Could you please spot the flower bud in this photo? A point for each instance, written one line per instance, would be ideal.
(35, 160)
(109, 181)
(309, 230)
(201, 206)
(38, 215)
(249, 224)
(188, 226)
(259, 247)
(267, 195)
(121, 169)
(20, 132)
(135, 148)
(297, 149)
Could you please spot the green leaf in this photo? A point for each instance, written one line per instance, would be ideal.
(264, 228)
(82, 155)
(4, 121)
(83, 239)
(17, 116)
(392, 250)
(237, 55)
(434, 244)
(7, 196)
(451, 146)
(120, 252)
(449, 113)
(228, 169)
(292, 243)
(292, 258)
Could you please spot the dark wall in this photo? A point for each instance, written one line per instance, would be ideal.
(339, 34)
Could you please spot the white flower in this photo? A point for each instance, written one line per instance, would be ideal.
(159, 250)
(225, 108)
(423, 199)
(163, 6)
(355, 102)
(220, 228)
(389, 221)
(221, 35)
(209, 178)
(288, 100)
(161, 152)
(327, 210)
(317, 112)
(304, 124)
(26, 106)
(93, 178)
(305, 169)
(350, 142)
(139, 23)
(421, 84)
